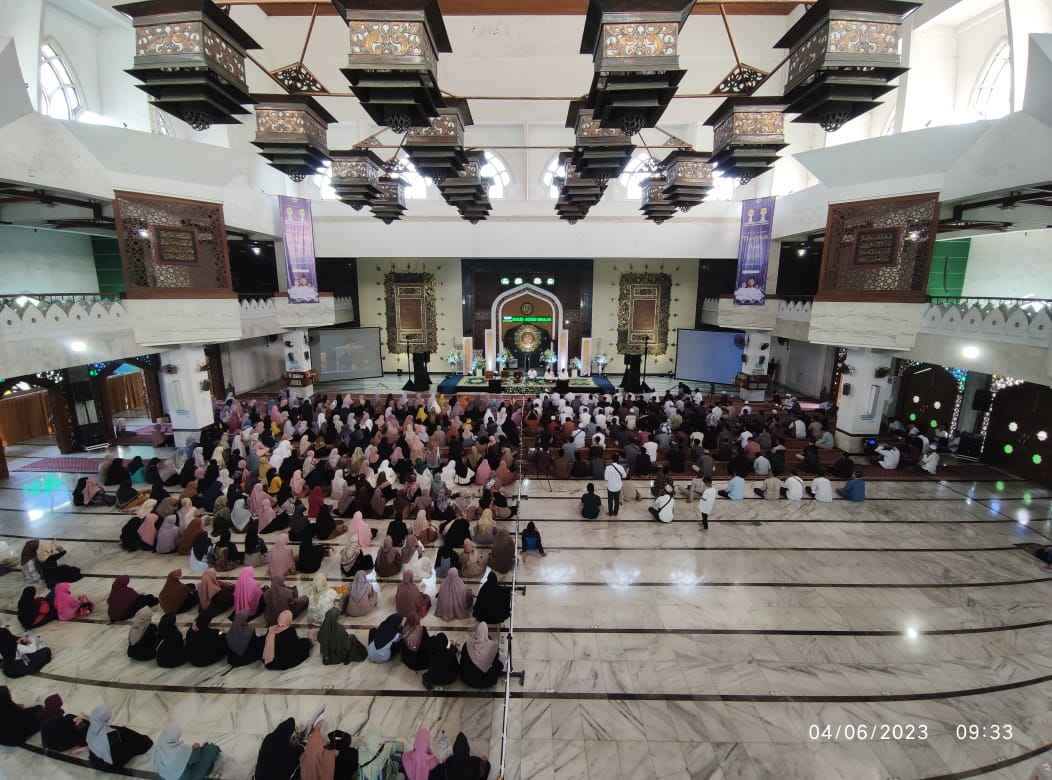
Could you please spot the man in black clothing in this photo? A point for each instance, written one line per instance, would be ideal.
(590, 503)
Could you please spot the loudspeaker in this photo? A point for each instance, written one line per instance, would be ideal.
(982, 400)
(494, 386)
(847, 388)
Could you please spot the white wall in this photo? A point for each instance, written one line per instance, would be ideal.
(804, 367)
(46, 261)
(252, 363)
(1013, 265)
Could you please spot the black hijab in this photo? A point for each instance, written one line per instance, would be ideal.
(493, 603)
(279, 758)
(27, 607)
(387, 630)
(324, 525)
(202, 544)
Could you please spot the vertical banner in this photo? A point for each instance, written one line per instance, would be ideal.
(297, 232)
(754, 245)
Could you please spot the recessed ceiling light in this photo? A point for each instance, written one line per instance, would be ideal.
(78, 346)
(971, 351)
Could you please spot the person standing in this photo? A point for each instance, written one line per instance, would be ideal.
(707, 503)
(615, 474)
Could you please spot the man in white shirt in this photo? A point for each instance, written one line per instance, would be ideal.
(651, 449)
(584, 417)
(614, 474)
(821, 489)
(887, 457)
(580, 441)
(743, 438)
(706, 503)
(794, 488)
(662, 507)
(799, 429)
(930, 462)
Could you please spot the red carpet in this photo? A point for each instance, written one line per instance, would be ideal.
(64, 465)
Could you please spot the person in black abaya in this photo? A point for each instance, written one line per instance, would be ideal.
(461, 765)
(17, 723)
(283, 648)
(443, 666)
(204, 644)
(279, 755)
(397, 530)
(454, 532)
(116, 474)
(33, 610)
(19, 664)
(311, 555)
(111, 747)
(243, 646)
(493, 602)
(59, 730)
(142, 637)
(186, 474)
(171, 649)
(480, 664)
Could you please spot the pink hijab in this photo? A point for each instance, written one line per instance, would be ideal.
(148, 529)
(208, 588)
(66, 604)
(281, 560)
(454, 600)
(483, 472)
(270, 644)
(259, 503)
(419, 761)
(247, 592)
(297, 483)
(91, 489)
(361, 528)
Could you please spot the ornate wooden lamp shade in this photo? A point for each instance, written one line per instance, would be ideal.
(635, 47)
(748, 133)
(437, 150)
(292, 133)
(389, 205)
(657, 207)
(688, 178)
(469, 191)
(393, 61)
(599, 152)
(355, 176)
(843, 55)
(577, 194)
(190, 58)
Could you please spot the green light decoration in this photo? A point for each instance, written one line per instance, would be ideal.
(1027, 498)
(509, 318)
(1036, 459)
(1000, 485)
(1009, 449)
(934, 423)
(913, 416)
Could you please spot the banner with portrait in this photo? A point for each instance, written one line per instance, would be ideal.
(754, 244)
(297, 233)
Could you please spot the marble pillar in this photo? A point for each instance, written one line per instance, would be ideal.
(187, 401)
(863, 398)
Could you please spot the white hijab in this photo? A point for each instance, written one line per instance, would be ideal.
(98, 733)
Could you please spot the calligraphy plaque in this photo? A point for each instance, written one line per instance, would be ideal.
(174, 245)
(878, 245)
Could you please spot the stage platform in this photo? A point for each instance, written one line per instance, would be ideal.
(459, 383)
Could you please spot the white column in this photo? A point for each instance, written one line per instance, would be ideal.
(469, 353)
(183, 370)
(863, 397)
(491, 349)
(586, 356)
(296, 348)
(564, 348)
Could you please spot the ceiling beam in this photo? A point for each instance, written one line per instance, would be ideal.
(523, 7)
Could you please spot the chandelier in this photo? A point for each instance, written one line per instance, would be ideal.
(355, 176)
(292, 133)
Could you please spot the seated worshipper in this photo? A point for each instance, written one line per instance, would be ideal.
(279, 598)
(409, 599)
(111, 747)
(388, 559)
(479, 665)
(282, 561)
(414, 644)
(887, 457)
(454, 599)
(418, 762)
(761, 466)
(59, 730)
(320, 599)
(176, 597)
(142, 636)
(930, 461)
(810, 459)
(443, 665)
(794, 487)
(33, 610)
(204, 645)
(279, 754)
(445, 559)
(68, 606)
(310, 554)
(248, 595)
(464, 474)
(283, 648)
(461, 764)
(332, 760)
(414, 560)
(240, 514)
(531, 540)
(663, 507)
(17, 723)
(128, 497)
(112, 471)
(262, 508)
(243, 645)
(123, 602)
(854, 489)
(227, 556)
(214, 597)
(47, 570)
(502, 553)
(398, 531)
(255, 547)
(591, 504)
(825, 441)
(735, 489)
(361, 597)
(771, 490)
(471, 563)
(166, 539)
(844, 468)
(88, 492)
(173, 759)
(384, 639)
(493, 602)
(353, 557)
(821, 489)
(455, 531)
(22, 655)
(423, 530)
(337, 645)
(171, 647)
(200, 553)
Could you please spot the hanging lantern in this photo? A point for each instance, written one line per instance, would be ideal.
(469, 192)
(635, 47)
(190, 58)
(355, 176)
(656, 205)
(688, 178)
(747, 136)
(292, 133)
(389, 205)
(843, 55)
(599, 152)
(437, 150)
(393, 61)
(577, 194)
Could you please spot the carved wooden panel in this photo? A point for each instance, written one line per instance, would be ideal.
(411, 315)
(642, 313)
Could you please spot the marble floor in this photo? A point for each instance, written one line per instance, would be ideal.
(646, 650)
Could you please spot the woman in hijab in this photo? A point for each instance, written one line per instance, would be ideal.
(388, 559)
(384, 639)
(248, 596)
(68, 606)
(414, 560)
(111, 747)
(409, 600)
(255, 547)
(443, 666)
(279, 755)
(167, 538)
(283, 648)
(502, 554)
(325, 527)
(454, 598)
(171, 648)
(320, 599)
(22, 655)
(227, 556)
(418, 762)
(186, 474)
(210, 493)
(204, 644)
(337, 645)
(470, 562)
(398, 531)
(485, 529)
(461, 764)
(531, 539)
(262, 507)
(298, 485)
(33, 610)
(47, 570)
(464, 475)
(191, 525)
(493, 603)
(310, 555)
(88, 492)
(353, 558)
(361, 598)
(414, 644)
(479, 665)
(167, 506)
(423, 530)
(142, 637)
(173, 759)
(123, 602)
(114, 473)
(214, 597)
(279, 598)
(243, 645)
(338, 487)
(17, 723)
(60, 731)
(282, 561)
(240, 514)
(445, 559)
(200, 553)
(176, 597)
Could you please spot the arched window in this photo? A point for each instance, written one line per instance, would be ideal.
(637, 171)
(722, 187)
(552, 171)
(323, 180)
(59, 96)
(415, 184)
(496, 170)
(993, 91)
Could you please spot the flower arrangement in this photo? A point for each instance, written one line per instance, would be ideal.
(548, 356)
(453, 358)
(575, 363)
(503, 357)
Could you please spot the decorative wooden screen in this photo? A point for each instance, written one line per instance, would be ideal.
(642, 314)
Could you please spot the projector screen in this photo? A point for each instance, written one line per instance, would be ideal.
(347, 353)
(708, 355)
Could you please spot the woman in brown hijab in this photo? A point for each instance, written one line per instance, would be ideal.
(167, 506)
(123, 602)
(176, 597)
(214, 596)
(454, 598)
(189, 535)
(502, 554)
(361, 598)
(423, 530)
(471, 563)
(388, 559)
(409, 600)
(280, 597)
